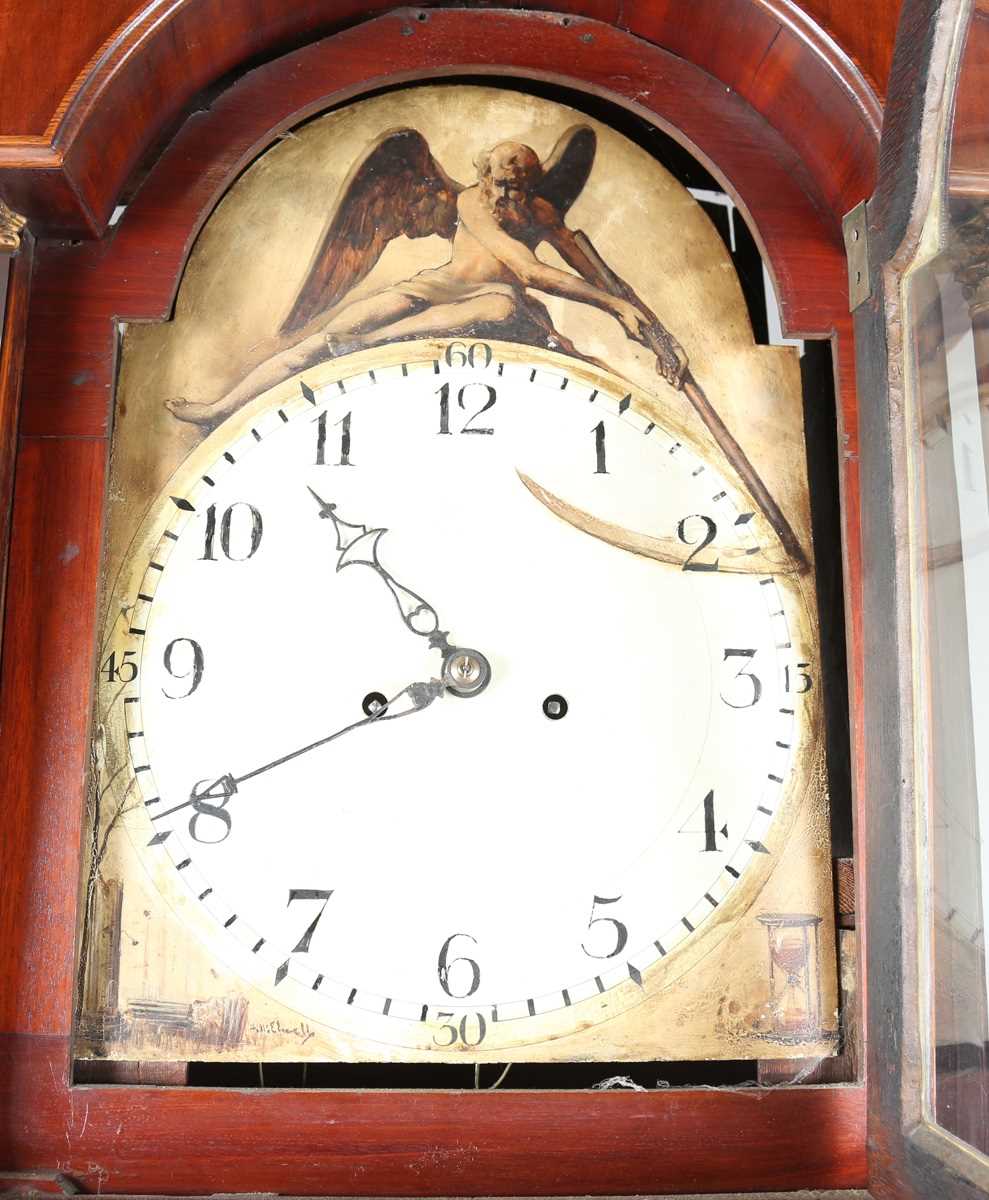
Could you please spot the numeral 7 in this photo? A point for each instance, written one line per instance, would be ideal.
(302, 945)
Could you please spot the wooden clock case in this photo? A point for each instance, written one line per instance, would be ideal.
(164, 119)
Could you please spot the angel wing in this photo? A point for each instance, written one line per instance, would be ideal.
(566, 170)
(397, 187)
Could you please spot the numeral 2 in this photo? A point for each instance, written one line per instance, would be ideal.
(710, 533)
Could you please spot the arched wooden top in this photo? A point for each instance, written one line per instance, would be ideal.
(135, 89)
(134, 272)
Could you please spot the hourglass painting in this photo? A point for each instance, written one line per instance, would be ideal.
(794, 976)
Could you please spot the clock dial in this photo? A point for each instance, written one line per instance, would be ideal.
(421, 748)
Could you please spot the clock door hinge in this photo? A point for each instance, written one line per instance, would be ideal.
(857, 254)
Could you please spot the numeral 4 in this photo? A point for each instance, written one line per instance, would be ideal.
(711, 831)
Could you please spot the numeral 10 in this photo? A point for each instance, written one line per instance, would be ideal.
(226, 525)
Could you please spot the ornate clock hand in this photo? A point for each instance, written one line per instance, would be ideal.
(358, 546)
(212, 798)
(465, 672)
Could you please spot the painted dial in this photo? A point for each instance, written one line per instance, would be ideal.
(459, 871)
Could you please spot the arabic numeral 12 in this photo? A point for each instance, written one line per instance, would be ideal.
(469, 427)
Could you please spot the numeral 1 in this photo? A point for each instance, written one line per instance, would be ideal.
(444, 394)
(602, 467)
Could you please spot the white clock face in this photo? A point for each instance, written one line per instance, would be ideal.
(456, 873)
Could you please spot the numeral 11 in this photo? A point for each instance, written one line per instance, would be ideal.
(321, 427)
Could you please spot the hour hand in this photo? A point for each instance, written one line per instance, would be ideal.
(358, 547)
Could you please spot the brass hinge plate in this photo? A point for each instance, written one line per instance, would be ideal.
(857, 254)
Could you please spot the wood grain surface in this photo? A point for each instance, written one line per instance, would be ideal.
(13, 325)
(35, 89)
(150, 70)
(189, 1141)
(44, 715)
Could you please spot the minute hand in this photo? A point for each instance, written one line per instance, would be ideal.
(208, 797)
(358, 547)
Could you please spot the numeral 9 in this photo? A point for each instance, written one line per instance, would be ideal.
(195, 670)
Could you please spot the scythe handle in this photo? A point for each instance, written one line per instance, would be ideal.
(660, 342)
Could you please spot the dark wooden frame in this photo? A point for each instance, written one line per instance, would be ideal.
(910, 1156)
(149, 72)
(386, 1143)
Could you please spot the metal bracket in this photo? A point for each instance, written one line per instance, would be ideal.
(11, 225)
(857, 253)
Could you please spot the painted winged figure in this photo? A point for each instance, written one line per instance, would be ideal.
(484, 290)
(494, 227)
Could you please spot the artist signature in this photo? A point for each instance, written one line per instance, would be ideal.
(277, 1029)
